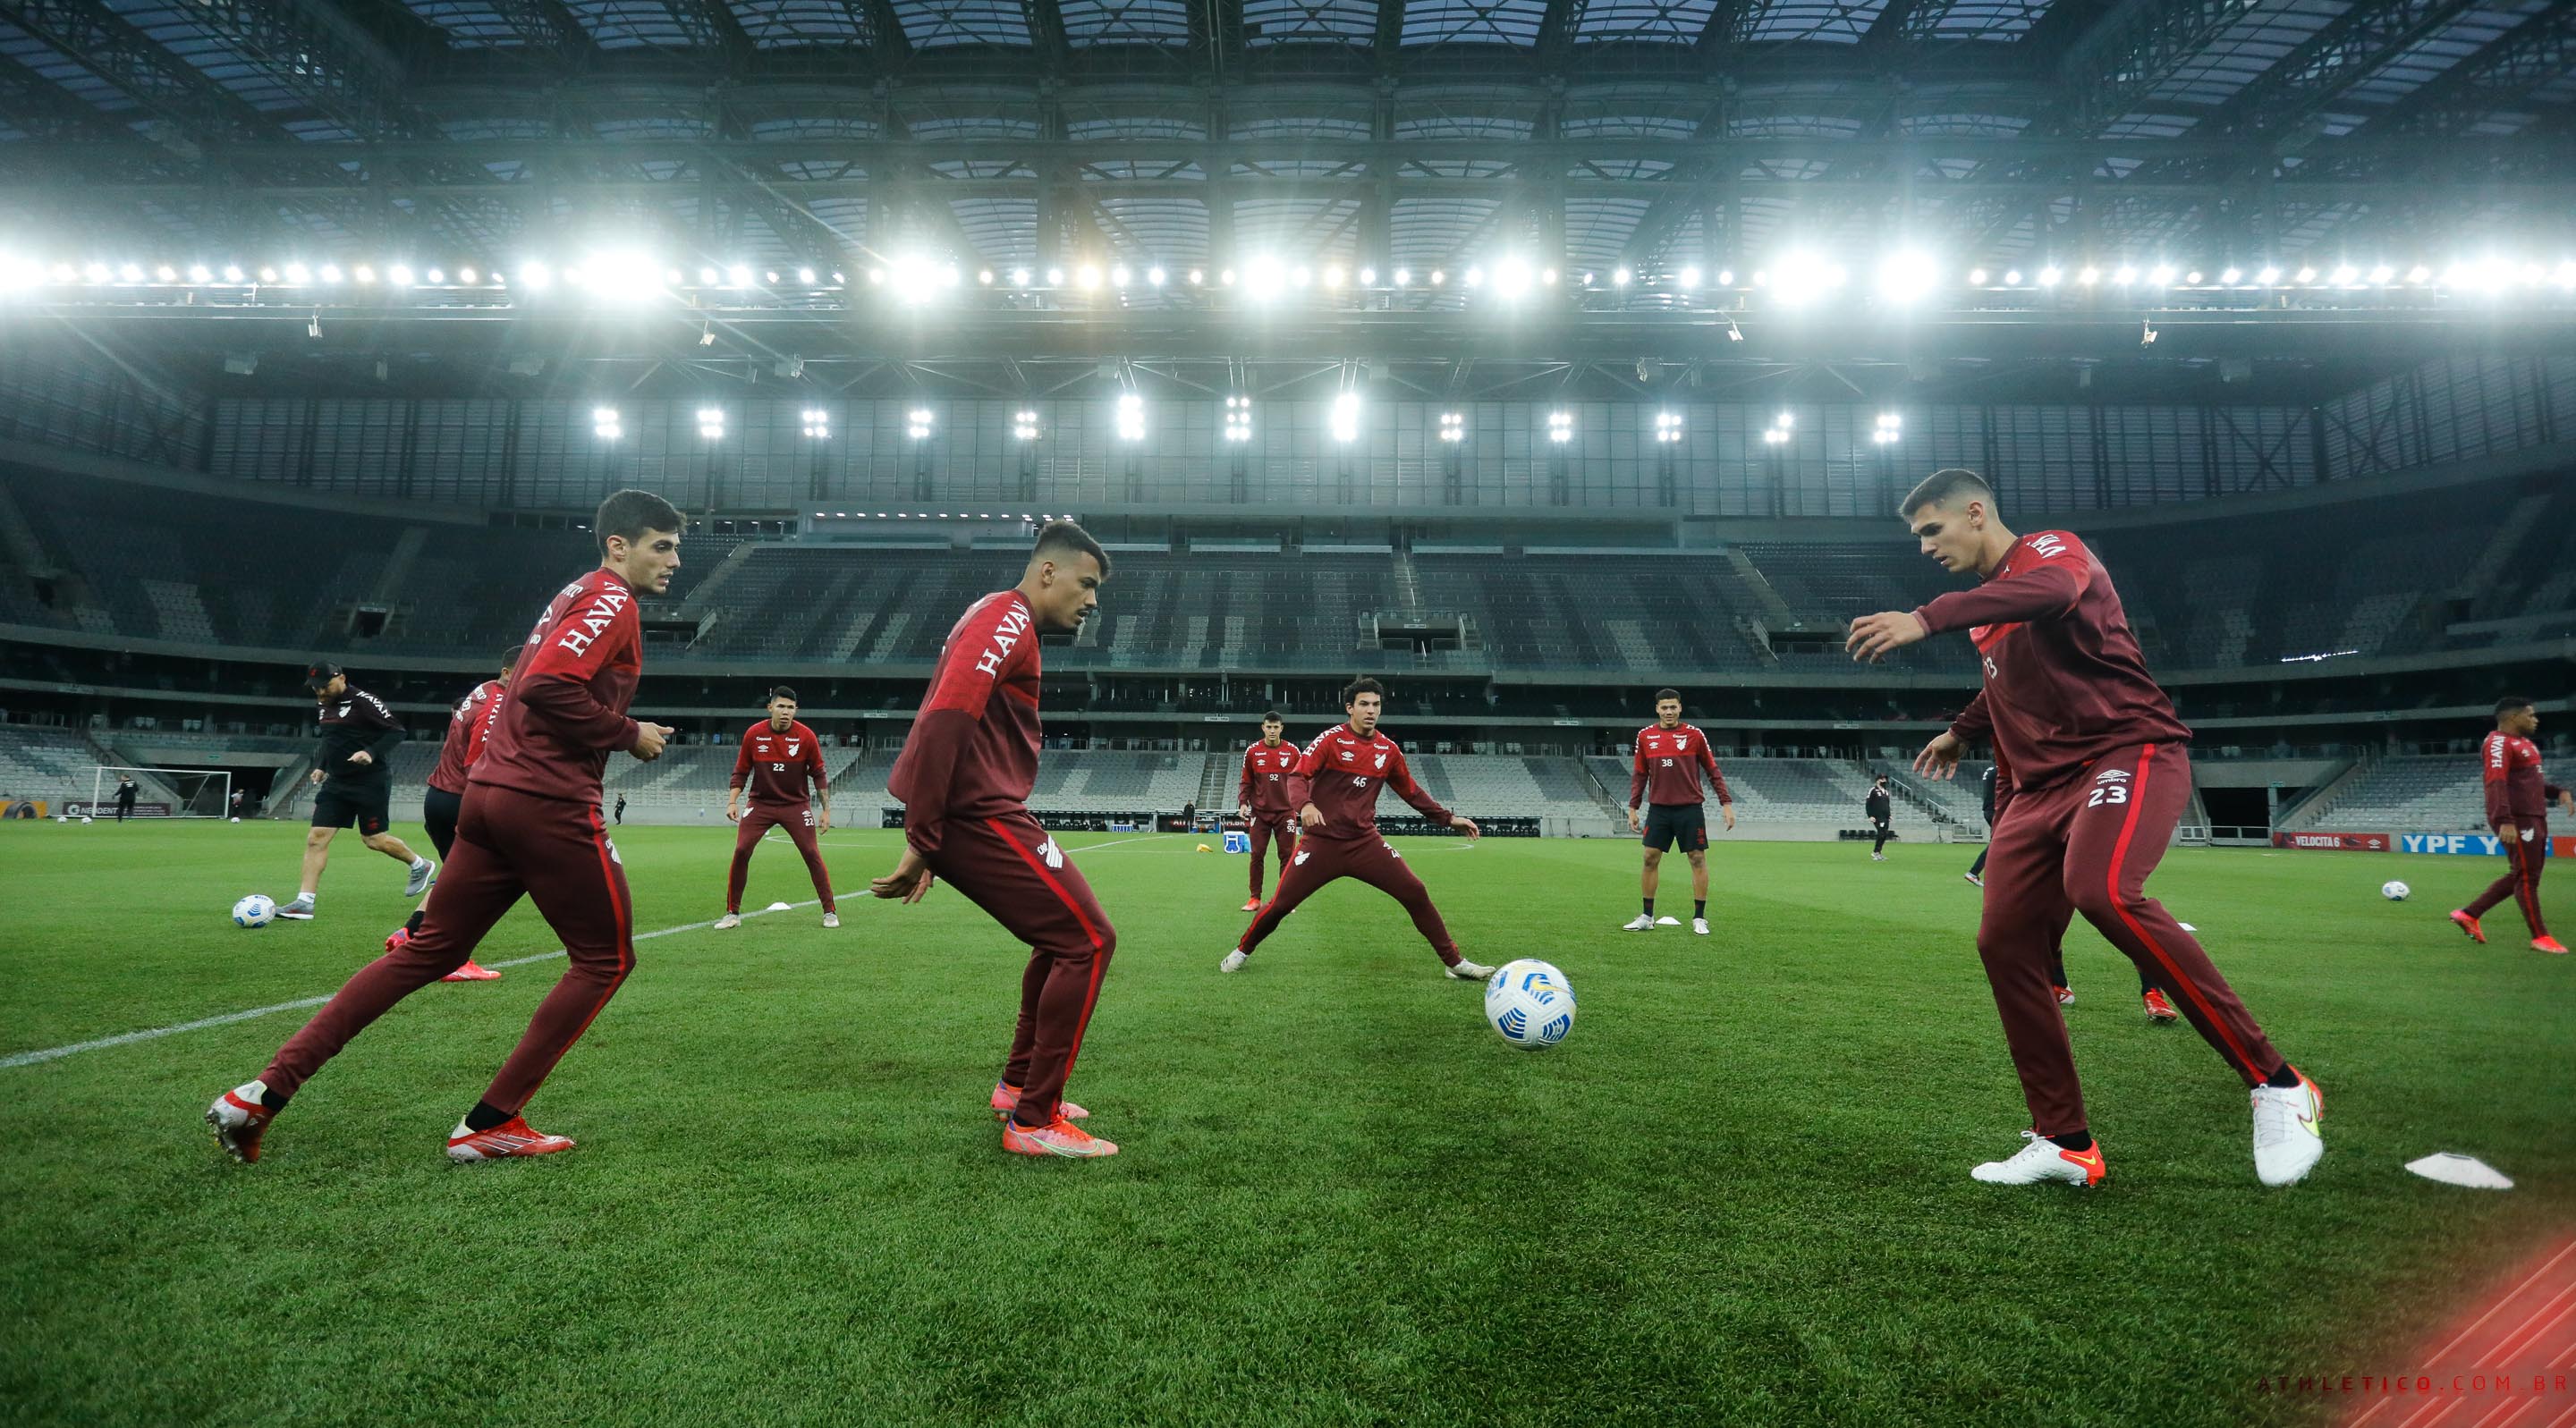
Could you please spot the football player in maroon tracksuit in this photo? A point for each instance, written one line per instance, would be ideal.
(530, 827)
(1261, 799)
(2518, 800)
(2101, 772)
(780, 759)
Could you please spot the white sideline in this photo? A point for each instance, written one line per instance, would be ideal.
(55, 1053)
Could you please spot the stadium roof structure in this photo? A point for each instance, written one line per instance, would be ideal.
(1623, 160)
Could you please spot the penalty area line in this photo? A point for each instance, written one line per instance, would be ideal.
(56, 1053)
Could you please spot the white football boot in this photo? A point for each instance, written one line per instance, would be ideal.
(1700, 926)
(728, 921)
(2287, 1141)
(1467, 971)
(2041, 1159)
(1640, 923)
(422, 872)
(1234, 961)
(831, 919)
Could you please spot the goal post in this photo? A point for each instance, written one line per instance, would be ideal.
(163, 793)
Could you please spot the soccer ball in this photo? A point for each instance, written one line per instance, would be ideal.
(84, 818)
(2394, 890)
(1530, 1004)
(254, 911)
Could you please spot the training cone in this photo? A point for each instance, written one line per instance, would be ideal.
(779, 907)
(1204, 848)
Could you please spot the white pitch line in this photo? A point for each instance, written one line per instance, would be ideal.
(55, 1053)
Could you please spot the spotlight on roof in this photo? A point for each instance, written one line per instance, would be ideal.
(1908, 277)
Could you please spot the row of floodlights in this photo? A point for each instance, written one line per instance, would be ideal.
(927, 516)
(1907, 275)
(920, 423)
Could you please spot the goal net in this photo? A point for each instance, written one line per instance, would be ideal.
(161, 793)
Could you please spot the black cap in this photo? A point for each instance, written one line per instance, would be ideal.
(321, 672)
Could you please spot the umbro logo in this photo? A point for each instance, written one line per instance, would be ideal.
(2112, 776)
(1346, 756)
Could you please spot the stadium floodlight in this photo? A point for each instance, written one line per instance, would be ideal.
(737, 276)
(2345, 274)
(2089, 276)
(709, 277)
(2050, 277)
(2418, 274)
(1668, 427)
(711, 423)
(1803, 277)
(918, 423)
(2192, 278)
(2231, 275)
(1262, 278)
(2565, 277)
(2268, 276)
(1197, 276)
(1453, 427)
(1131, 417)
(2125, 276)
(1891, 427)
(1086, 277)
(1024, 426)
(770, 277)
(199, 273)
(362, 273)
(818, 423)
(622, 275)
(1226, 278)
(435, 276)
(1619, 277)
(1118, 276)
(266, 275)
(1019, 277)
(1368, 277)
(1475, 276)
(1976, 277)
(1547, 276)
(1560, 427)
(1154, 277)
(1439, 277)
(2012, 277)
(1688, 278)
(298, 274)
(2382, 274)
(1511, 277)
(1055, 277)
(1332, 275)
(1346, 418)
(1403, 277)
(532, 276)
(466, 275)
(2162, 275)
(1774, 436)
(1238, 418)
(399, 275)
(1908, 276)
(605, 424)
(806, 276)
(1300, 275)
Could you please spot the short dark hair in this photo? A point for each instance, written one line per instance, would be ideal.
(1065, 535)
(2510, 703)
(781, 691)
(1672, 694)
(1360, 686)
(1942, 487)
(629, 514)
(510, 658)
(1274, 717)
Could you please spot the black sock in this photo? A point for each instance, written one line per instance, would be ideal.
(483, 1117)
(1650, 906)
(412, 924)
(1699, 909)
(273, 1100)
(2077, 1141)
(2285, 1078)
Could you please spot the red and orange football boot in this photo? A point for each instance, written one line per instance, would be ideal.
(239, 1121)
(1006, 1099)
(2460, 918)
(2158, 1009)
(2546, 943)
(511, 1138)
(1059, 1137)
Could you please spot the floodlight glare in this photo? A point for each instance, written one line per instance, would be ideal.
(1131, 417)
(1619, 277)
(2345, 274)
(1689, 279)
(1403, 277)
(2125, 276)
(1476, 277)
(2231, 275)
(1154, 277)
(1118, 276)
(1511, 277)
(398, 275)
(1346, 417)
(198, 273)
(2268, 276)
(738, 276)
(1976, 277)
(2382, 273)
(2048, 277)
(1368, 277)
(1908, 277)
(435, 277)
(1453, 426)
(1087, 276)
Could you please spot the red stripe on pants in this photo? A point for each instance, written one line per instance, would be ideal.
(2521, 880)
(2112, 896)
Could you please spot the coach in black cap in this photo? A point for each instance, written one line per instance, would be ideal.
(359, 737)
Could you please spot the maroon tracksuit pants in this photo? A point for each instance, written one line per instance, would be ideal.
(1265, 827)
(799, 823)
(2521, 881)
(1369, 858)
(2089, 844)
(1012, 869)
(507, 844)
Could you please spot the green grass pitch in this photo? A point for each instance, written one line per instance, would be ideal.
(1738, 1193)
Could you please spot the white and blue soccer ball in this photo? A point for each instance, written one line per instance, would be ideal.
(255, 910)
(1530, 1004)
(2394, 891)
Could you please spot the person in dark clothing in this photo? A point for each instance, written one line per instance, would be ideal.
(359, 737)
(1976, 872)
(1877, 804)
(621, 808)
(124, 799)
